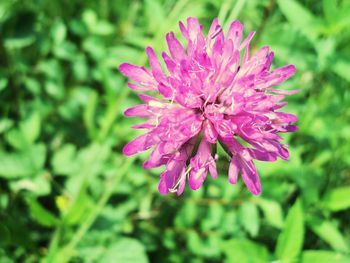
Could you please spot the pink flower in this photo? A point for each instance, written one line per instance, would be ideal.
(209, 95)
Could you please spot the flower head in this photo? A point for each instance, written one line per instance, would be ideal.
(209, 94)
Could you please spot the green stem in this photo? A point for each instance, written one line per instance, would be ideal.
(65, 254)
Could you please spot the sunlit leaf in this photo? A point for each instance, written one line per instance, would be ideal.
(244, 251)
(125, 250)
(322, 256)
(337, 199)
(290, 241)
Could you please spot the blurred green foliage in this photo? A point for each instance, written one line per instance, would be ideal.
(68, 194)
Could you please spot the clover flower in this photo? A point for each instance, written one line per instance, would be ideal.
(209, 95)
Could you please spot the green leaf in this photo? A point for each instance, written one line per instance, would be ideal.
(103, 28)
(58, 32)
(25, 163)
(290, 241)
(5, 235)
(126, 250)
(272, 211)
(330, 9)
(5, 124)
(195, 243)
(319, 256)
(16, 139)
(39, 185)
(342, 68)
(300, 17)
(337, 199)
(41, 214)
(250, 219)
(329, 233)
(244, 251)
(3, 83)
(187, 215)
(63, 161)
(76, 211)
(154, 7)
(30, 128)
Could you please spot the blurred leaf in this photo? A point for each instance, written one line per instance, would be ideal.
(30, 128)
(16, 139)
(337, 199)
(66, 50)
(154, 7)
(290, 241)
(125, 250)
(90, 19)
(195, 243)
(300, 17)
(213, 218)
(39, 185)
(325, 49)
(329, 233)
(63, 161)
(329, 9)
(41, 214)
(272, 211)
(312, 256)
(59, 32)
(23, 31)
(75, 211)
(250, 219)
(22, 164)
(5, 124)
(5, 235)
(187, 215)
(3, 83)
(103, 28)
(342, 68)
(244, 251)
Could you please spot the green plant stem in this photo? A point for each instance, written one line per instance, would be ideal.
(65, 254)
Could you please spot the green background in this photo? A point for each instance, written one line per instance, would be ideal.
(68, 194)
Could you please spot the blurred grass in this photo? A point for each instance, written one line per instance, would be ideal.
(68, 194)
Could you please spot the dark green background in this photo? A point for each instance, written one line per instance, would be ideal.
(68, 194)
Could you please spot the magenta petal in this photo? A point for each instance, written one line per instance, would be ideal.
(263, 155)
(235, 33)
(176, 49)
(183, 30)
(200, 164)
(139, 144)
(212, 169)
(247, 40)
(140, 87)
(210, 134)
(136, 73)
(162, 187)
(233, 170)
(194, 28)
(147, 98)
(155, 64)
(277, 76)
(182, 183)
(197, 178)
(250, 176)
(138, 111)
(170, 64)
(156, 158)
